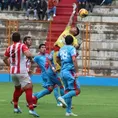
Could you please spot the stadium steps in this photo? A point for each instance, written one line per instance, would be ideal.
(64, 10)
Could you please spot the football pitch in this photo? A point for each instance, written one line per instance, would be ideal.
(93, 102)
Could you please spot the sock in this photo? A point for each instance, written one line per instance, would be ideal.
(56, 94)
(69, 103)
(17, 93)
(42, 93)
(62, 91)
(29, 99)
(69, 94)
(34, 100)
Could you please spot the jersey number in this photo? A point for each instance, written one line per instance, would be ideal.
(63, 55)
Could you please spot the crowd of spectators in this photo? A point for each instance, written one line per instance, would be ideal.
(41, 9)
(89, 4)
(45, 9)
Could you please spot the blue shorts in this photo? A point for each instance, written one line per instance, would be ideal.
(54, 77)
(46, 80)
(69, 81)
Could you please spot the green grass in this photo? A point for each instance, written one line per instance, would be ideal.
(93, 102)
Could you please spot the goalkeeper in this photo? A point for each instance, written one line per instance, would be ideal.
(69, 30)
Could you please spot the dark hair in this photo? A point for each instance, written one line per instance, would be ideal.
(77, 31)
(16, 37)
(69, 40)
(25, 38)
(41, 45)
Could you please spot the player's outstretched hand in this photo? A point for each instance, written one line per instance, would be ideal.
(74, 7)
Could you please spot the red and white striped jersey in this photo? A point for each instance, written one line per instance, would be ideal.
(28, 64)
(15, 52)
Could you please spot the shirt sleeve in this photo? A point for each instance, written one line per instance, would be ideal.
(35, 59)
(7, 52)
(24, 48)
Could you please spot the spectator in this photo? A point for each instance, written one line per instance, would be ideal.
(25, 4)
(41, 9)
(15, 4)
(90, 5)
(101, 2)
(81, 4)
(4, 4)
(31, 8)
(51, 8)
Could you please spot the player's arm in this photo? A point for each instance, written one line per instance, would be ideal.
(74, 59)
(5, 60)
(6, 56)
(75, 65)
(50, 59)
(26, 52)
(72, 15)
(53, 68)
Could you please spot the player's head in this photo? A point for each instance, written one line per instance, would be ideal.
(69, 40)
(74, 31)
(42, 48)
(27, 41)
(16, 37)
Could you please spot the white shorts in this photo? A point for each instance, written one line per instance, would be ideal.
(21, 79)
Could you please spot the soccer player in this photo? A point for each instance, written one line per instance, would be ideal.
(16, 54)
(50, 78)
(42, 62)
(69, 30)
(28, 42)
(54, 76)
(69, 73)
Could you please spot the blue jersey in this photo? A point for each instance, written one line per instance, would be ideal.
(42, 62)
(65, 54)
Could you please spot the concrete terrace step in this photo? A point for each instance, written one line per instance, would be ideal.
(62, 18)
(66, 13)
(12, 15)
(99, 18)
(64, 6)
(106, 10)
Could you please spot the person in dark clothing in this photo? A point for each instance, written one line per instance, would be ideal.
(4, 4)
(81, 4)
(41, 9)
(32, 5)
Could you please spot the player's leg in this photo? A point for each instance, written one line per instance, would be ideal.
(61, 99)
(56, 94)
(27, 86)
(73, 87)
(17, 93)
(47, 84)
(68, 109)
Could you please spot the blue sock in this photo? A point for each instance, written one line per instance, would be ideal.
(56, 94)
(42, 93)
(69, 103)
(61, 91)
(69, 94)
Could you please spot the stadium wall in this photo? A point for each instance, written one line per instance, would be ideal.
(88, 80)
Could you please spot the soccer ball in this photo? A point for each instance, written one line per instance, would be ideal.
(83, 13)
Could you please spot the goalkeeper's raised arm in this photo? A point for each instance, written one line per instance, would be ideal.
(72, 14)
